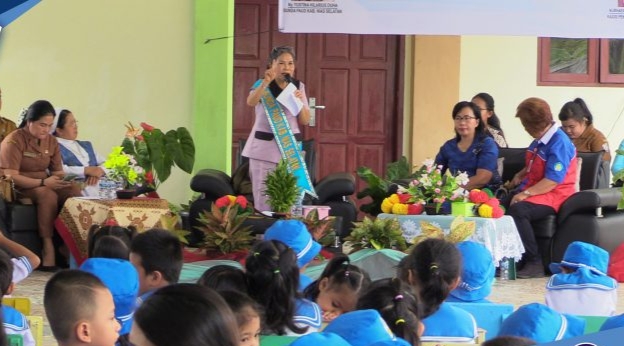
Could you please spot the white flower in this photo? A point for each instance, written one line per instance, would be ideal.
(401, 189)
(425, 180)
(462, 178)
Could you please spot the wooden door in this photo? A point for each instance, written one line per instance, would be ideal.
(358, 78)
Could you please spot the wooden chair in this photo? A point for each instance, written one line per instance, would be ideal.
(21, 304)
(36, 328)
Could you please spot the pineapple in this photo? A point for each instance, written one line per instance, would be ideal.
(281, 187)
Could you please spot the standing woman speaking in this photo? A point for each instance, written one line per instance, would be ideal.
(31, 156)
(262, 148)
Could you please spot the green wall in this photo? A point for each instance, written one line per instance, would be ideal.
(213, 74)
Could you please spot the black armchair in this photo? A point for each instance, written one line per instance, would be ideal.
(547, 229)
(333, 191)
(19, 223)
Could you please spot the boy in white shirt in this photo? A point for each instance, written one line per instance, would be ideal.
(580, 285)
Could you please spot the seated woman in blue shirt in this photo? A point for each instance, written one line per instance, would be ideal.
(472, 150)
(79, 157)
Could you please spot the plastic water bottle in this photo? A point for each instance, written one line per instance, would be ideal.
(107, 188)
(504, 269)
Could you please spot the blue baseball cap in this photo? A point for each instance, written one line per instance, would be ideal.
(321, 338)
(542, 324)
(580, 254)
(478, 272)
(122, 280)
(361, 328)
(295, 235)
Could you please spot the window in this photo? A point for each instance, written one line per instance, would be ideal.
(584, 62)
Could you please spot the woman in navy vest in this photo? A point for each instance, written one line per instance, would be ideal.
(79, 158)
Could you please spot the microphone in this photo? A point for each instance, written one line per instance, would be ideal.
(290, 79)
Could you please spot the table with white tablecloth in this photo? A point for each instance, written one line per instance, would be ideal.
(500, 235)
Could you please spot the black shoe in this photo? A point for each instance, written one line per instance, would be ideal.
(534, 269)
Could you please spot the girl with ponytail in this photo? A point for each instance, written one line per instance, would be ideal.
(433, 269)
(338, 287)
(273, 277)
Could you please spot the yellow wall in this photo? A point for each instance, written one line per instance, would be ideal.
(110, 62)
(506, 67)
(435, 89)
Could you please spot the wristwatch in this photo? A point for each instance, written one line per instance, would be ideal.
(527, 192)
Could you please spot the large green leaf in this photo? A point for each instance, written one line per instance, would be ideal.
(142, 155)
(181, 147)
(161, 160)
(127, 146)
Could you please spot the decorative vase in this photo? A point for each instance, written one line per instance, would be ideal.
(437, 208)
(125, 193)
(462, 209)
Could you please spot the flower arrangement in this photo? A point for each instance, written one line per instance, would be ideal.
(486, 204)
(157, 152)
(428, 186)
(123, 167)
(222, 227)
(376, 234)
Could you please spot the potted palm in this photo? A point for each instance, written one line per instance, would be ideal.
(281, 188)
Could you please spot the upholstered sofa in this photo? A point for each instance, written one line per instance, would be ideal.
(589, 215)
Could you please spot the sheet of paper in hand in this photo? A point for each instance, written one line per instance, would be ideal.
(288, 99)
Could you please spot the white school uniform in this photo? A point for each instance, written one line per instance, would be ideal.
(582, 292)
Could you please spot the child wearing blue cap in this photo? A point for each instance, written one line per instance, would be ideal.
(122, 280)
(477, 274)
(580, 285)
(397, 305)
(363, 328)
(273, 276)
(433, 268)
(295, 235)
(337, 289)
(541, 324)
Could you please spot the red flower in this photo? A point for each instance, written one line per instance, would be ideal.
(493, 202)
(414, 209)
(242, 201)
(147, 127)
(478, 196)
(222, 202)
(111, 222)
(404, 197)
(149, 177)
(139, 138)
(498, 212)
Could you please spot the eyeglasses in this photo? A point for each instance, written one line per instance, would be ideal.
(465, 118)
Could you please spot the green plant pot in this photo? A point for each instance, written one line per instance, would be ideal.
(462, 209)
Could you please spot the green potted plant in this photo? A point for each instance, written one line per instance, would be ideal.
(281, 188)
(157, 152)
(376, 234)
(378, 187)
(121, 168)
(224, 233)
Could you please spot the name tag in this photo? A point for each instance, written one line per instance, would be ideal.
(31, 154)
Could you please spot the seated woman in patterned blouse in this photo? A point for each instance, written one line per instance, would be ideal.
(485, 102)
(472, 150)
(79, 157)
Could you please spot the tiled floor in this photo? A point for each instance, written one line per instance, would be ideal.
(517, 292)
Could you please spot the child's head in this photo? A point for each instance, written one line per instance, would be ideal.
(582, 255)
(338, 287)
(542, 324)
(273, 278)
(509, 341)
(121, 278)
(110, 241)
(398, 306)
(224, 278)
(184, 314)
(248, 316)
(295, 235)
(433, 268)
(362, 328)
(157, 256)
(80, 309)
(6, 274)
(477, 272)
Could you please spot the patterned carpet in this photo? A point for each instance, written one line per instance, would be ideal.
(517, 292)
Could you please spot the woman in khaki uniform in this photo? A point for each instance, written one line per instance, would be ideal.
(31, 156)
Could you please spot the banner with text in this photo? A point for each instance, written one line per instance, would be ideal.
(546, 18)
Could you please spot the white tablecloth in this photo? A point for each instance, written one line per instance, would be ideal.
(500, 235)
